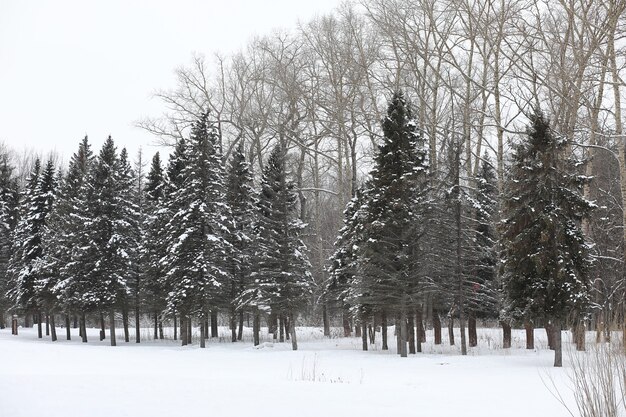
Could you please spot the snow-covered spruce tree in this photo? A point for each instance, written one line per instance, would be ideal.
(153, 247)
(343, 264)
(243, 201)
(396, 201)
(545, 258)
(198, 252)
(483, 301)
(8, 221)
(280, 280)
(105, 260)
(28, 246)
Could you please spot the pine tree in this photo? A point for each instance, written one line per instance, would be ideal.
(281, 281)
(395, 203)
(545, 259)
(243, 200)
(197, 251)
(8, 221)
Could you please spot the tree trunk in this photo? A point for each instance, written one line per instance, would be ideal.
(437, 327)
(214, 332)
(451, 330)
(83, 327)
(189, 331)
(161, 336)
(558, 348)
(102, 327)
(281, 325)
(67, 327)
(27, 320)
(138, 324)
(125, 324)
(347, 329)
(233, 326)
(183, 331)
(53, 329)
(402, 334)
(272, 323)
(202, 333)
(175, 327)
(287, 327)
(240, 332)
(384, 330)
(112, 327)
(580, 335)
(326, 320)
(156, 326)
(420, 332)
(550, 334)
(14, 327)
(256, 328)
(411, 333)
(357, 329)
(39, 328)
(294, 340)
(530, 335)
(506, 335)
(75, 325)
(471, 330)
(47, 324)
(364, 333)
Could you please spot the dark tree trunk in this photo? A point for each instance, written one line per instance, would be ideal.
(27, 320)
(383, 329)
(102, 327)
(281, 325)
(189, 331)
(437, 327)
(83, 327)
(411, 328)
(161, 336)
(75, 321)
(287, 327)
(347, 329)
(326, 320)
(550, 335)
(138, 324)
(272, 326)
(67, 327)
(47, 324)
(420, 331)
(39, 328)
(14, 326)
(472, 334)
(506, 335)
(240, 331)
(112, 327)
(364, 334)
(202, 332)
(214, 332)
(451, 330)
(256, 328)
(205, 323)
(580, 335)
(156, 326)
(125, 324)
(294, 340)
(530, 335)
(175, 327)
(402, 334)
(357, 329)
(183, 331)
(558, 348)
(53, 329)
(233, 326)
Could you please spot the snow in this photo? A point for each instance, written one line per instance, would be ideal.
(326, 377)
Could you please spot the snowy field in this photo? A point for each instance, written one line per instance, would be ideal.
(326, 377)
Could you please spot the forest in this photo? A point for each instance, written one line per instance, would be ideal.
(411, 163)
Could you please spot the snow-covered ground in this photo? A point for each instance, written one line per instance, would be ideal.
(325, 377)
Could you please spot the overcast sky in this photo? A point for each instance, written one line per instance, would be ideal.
(70, 68)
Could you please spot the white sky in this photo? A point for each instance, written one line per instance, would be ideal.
(75, 67)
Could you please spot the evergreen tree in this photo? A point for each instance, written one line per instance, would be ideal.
(243, 200)
(197, 250)
(281, 281)
(545, 258)
(395, 204)
(8, 221)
